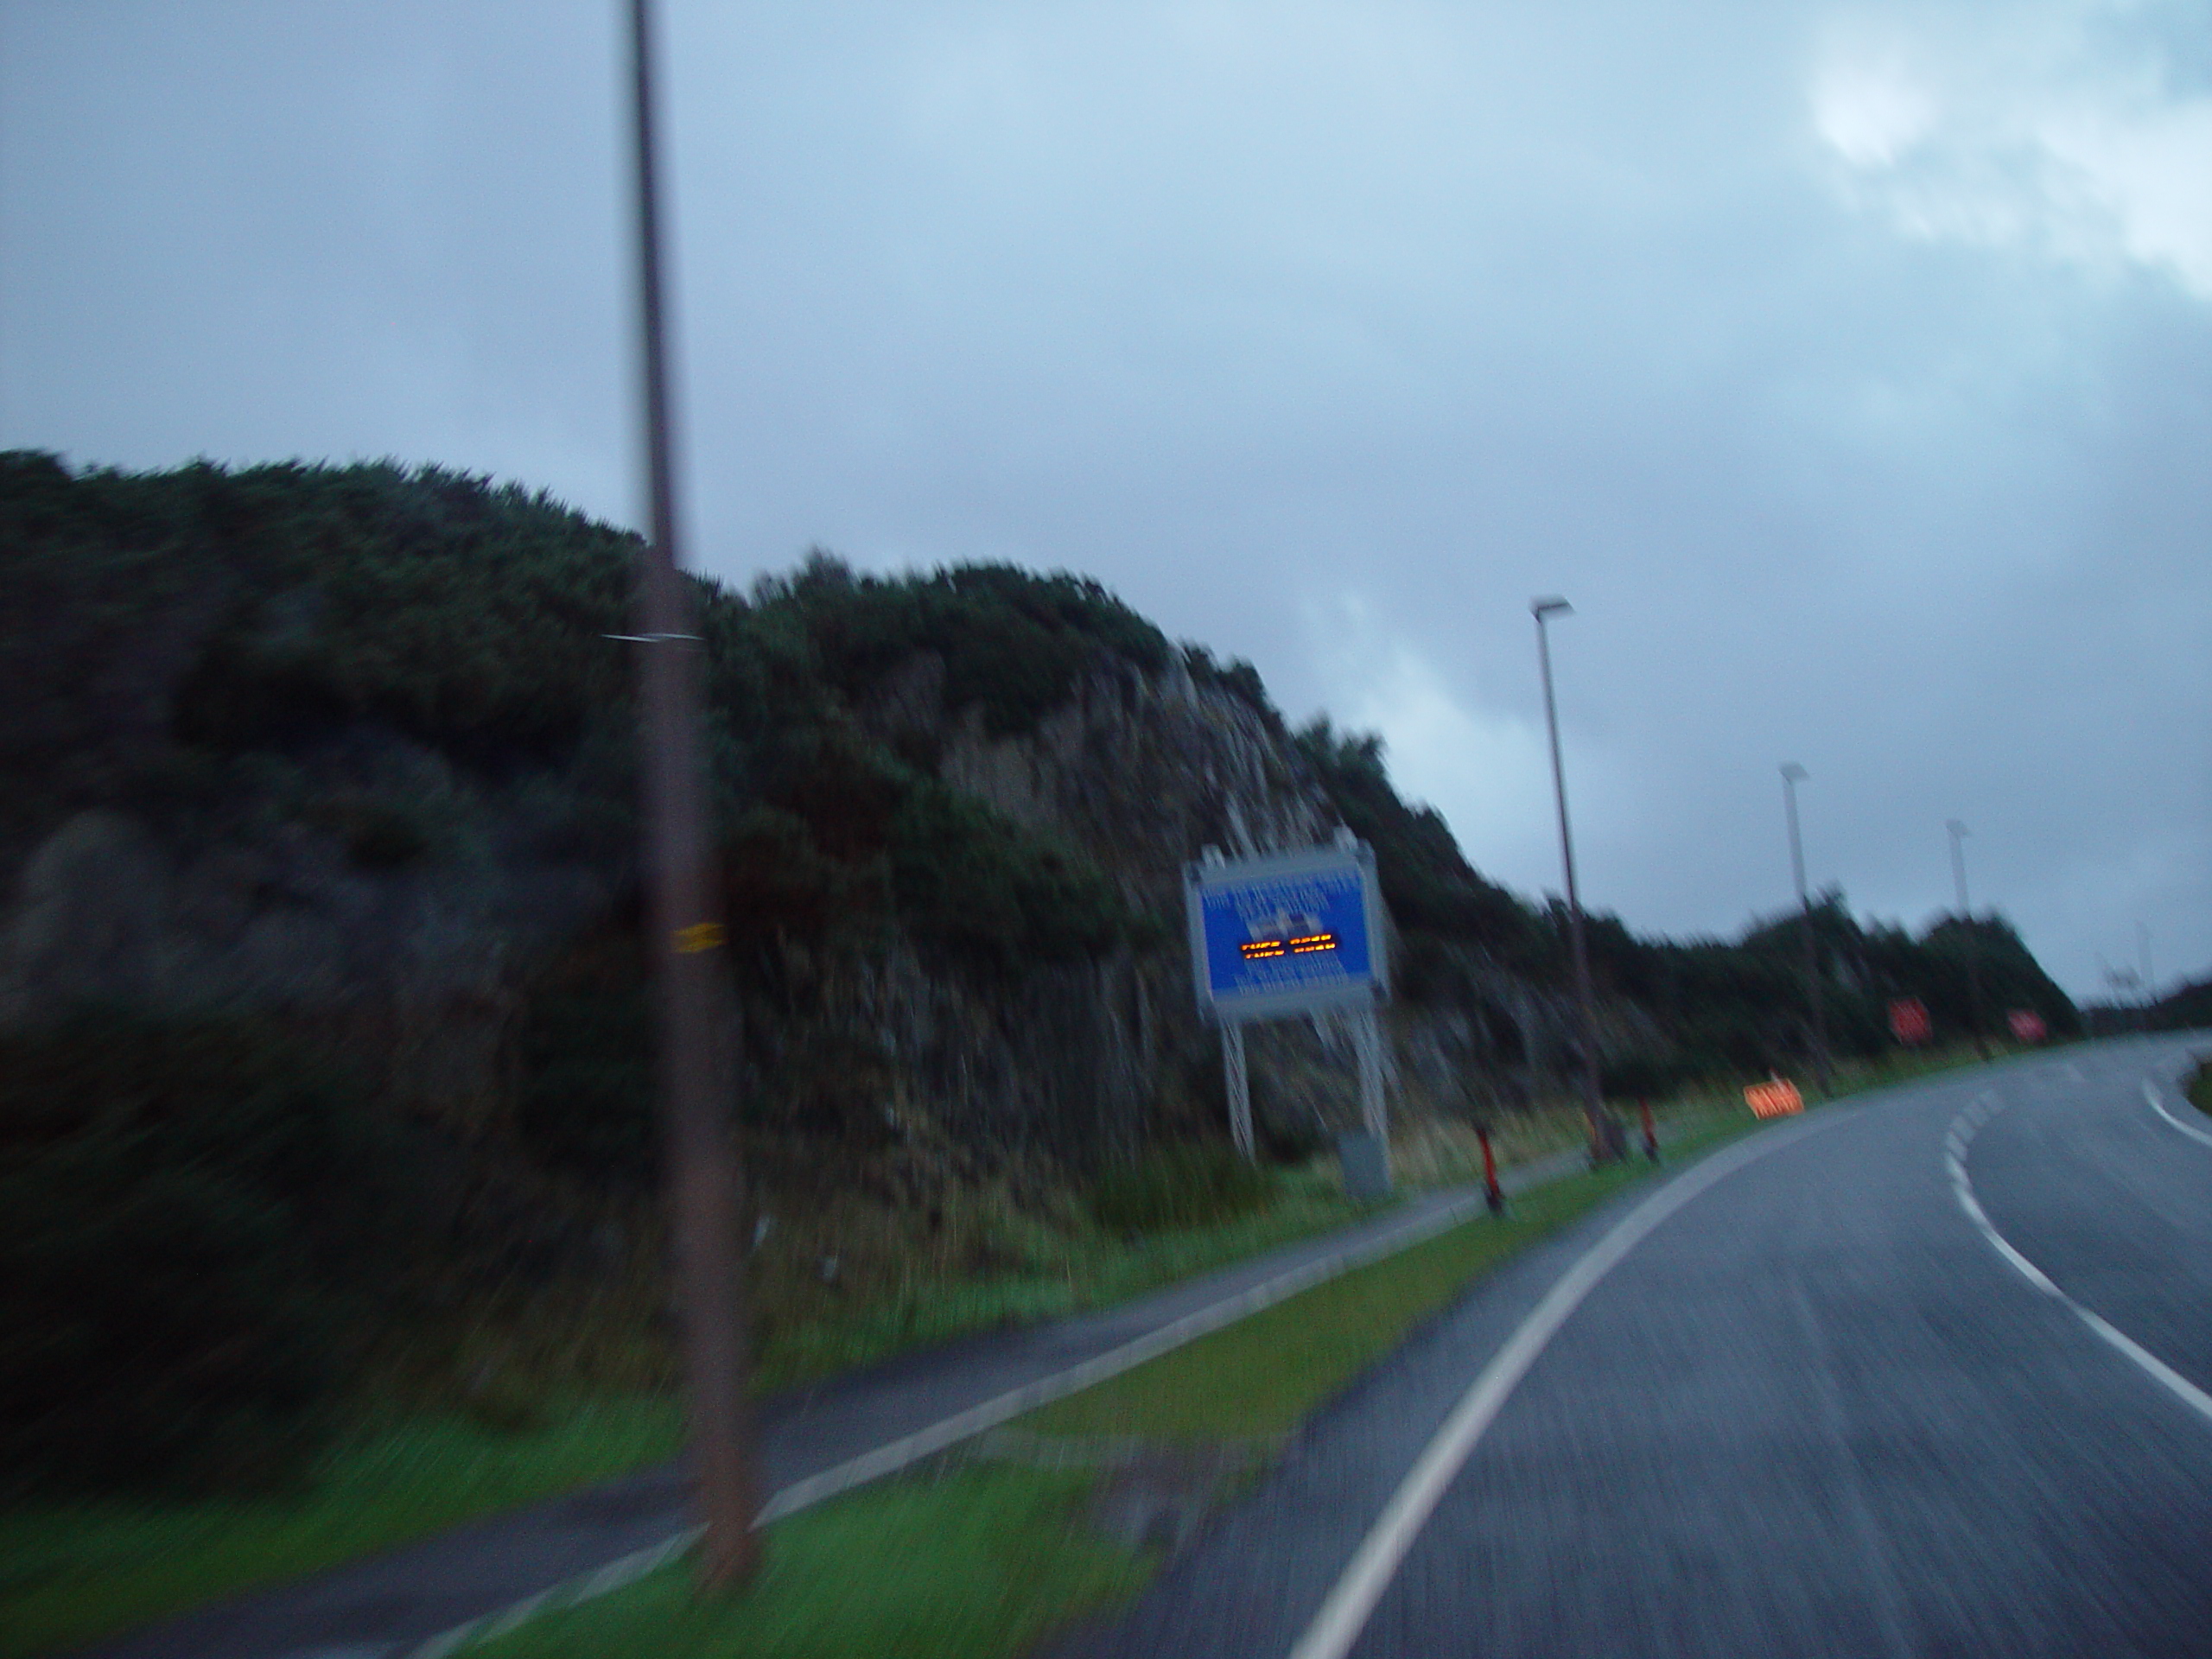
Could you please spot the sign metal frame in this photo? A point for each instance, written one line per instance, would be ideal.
(1249, 958)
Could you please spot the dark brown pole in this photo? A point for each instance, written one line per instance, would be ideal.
(1792, 775)
(1958, 833)
(697, 1011)
(1541, 609)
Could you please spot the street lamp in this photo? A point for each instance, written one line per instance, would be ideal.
(1958, 833)
(1542, 609)
(1792, 775)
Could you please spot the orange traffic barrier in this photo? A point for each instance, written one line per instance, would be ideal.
(1777, 1098)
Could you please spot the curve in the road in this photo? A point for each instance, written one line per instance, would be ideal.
(1345, 1614)
(1808, 1413)
(2158, 1105)
(1958, 1142)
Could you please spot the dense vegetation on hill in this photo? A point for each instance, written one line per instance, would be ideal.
(321, 984)
(2188, 1009)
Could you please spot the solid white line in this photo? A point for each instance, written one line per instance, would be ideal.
(2159, 1107)
(2184, 1390)
(911, 1448)
(1345, 1614)
(897, 1454)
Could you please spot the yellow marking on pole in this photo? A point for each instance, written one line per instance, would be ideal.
(701, 936)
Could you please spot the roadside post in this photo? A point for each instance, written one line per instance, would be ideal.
(1493, 1195)
(689, 963)
(1289, 934)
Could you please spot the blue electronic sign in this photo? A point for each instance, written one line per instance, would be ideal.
(1287, 934)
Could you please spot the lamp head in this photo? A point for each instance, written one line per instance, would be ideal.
(1958, 829)
(1542, 607)
(1792, 772)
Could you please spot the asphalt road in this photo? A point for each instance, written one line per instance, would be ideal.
(1815, 1409)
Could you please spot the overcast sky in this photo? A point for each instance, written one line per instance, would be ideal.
(1848, 366)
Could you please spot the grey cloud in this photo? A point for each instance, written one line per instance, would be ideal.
(1251, 311)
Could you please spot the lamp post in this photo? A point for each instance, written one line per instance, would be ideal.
(1958, 833)
(1792, 775)
(688, 935)
(1543, 609)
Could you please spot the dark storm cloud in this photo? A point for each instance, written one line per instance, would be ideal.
(1846, 365)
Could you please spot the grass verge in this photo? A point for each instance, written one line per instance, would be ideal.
(2200, 1089)
(977, 1562)
(1259, 1377)
(881, 1571)
(70, 1574)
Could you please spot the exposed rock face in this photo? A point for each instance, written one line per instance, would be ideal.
(417, 969)
(1140, 771)
(413, 957)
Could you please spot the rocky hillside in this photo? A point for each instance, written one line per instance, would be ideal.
(324, 1036)
(350, 748)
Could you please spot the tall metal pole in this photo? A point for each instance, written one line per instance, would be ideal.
(2150, 983)
(1792, 775)
(1542, 610)
(697, 1011)
(1958, 833)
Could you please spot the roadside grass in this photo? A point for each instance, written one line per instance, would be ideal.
(2200, 1088)
(887, 1569)
(974, 1562)
(1055, 1273)
(72, 1574)
(1258, 1379)
(69, 1574)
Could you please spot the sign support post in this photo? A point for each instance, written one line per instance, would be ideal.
(1367, 1034)
(1240, 1087)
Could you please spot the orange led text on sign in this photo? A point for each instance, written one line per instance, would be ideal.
(1305, 944)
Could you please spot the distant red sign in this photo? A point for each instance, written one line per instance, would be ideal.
(2027, 1024)
(1909, 1020)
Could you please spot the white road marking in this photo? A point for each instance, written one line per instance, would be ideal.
(911, 1448)
(1015, 1402)
(2151, 1094)
(1345, 1614)
(2186, 1391)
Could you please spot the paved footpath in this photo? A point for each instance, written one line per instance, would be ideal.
(429, 1597)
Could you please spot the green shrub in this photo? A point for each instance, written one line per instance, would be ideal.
(1186, 1185)
(1014, 644)
(587, 1091)
(195, 1219)
(967, 878)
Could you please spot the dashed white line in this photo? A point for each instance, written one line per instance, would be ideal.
(1962, 1187)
